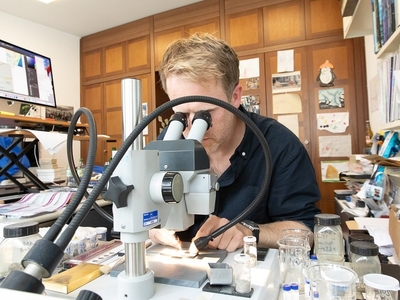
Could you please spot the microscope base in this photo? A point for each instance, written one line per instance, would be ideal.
(136, 288)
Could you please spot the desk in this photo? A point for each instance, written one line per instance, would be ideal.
(28, 123)
(48, 219)
(265, 282)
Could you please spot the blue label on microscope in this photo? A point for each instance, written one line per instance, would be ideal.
(150, 218)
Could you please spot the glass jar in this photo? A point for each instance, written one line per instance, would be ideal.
(242, 273)
(250, 248)
(364, 258)
(328, 239)
(357, 237)
(18, 239)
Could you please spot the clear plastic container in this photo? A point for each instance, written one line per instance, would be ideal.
(381, 287)
(364, 258)
(18, 239)
(328, 239)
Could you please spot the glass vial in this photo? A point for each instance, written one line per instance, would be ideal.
(250, 248)
(328, 239)
(18, 239)
(364, 258)
(242, 273)
(286, 291)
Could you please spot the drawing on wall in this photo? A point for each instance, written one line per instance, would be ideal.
(286, 82)
(251, 103)
(331, 98)
(326, 77)
(287, 103)
(330, 170)
(334, 122)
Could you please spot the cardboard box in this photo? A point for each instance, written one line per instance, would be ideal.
(394, 228)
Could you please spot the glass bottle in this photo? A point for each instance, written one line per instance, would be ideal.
(70, 178)
(328, 236)
(368, 134)
(18, 240)
(250, 248)
(242, 273)
(364, 258)
(81, 168)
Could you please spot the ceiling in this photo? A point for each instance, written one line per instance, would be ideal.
(84, 17)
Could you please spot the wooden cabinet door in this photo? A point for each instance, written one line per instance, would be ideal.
(92, 98)
(333, 146)
(138, 54)
(91, 65)
(244, 30)
(114, 59)
(290, 108)
(162, 39)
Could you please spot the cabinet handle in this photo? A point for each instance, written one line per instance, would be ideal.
(306, 142)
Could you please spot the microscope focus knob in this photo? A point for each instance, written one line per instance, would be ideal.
(172, 187)
(117, 192)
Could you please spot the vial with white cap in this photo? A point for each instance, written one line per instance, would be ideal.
(242, 273)
(250, 248)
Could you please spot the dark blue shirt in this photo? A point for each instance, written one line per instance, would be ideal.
(293, 189)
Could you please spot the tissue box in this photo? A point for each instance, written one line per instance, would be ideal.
(394, 228)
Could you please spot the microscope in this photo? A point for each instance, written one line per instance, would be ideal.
(165, 184)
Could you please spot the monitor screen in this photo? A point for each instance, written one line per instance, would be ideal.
(25, 76)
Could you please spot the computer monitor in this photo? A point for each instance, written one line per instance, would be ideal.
(25, 76)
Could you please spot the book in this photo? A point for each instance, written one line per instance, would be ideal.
(72, 279)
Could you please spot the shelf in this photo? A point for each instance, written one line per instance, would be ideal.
(358, 23)
(391, 45)
(395, 125)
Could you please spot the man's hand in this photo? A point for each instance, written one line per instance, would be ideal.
(165, 237)
(230, 240)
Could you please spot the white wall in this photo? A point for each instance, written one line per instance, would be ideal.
(63, 50)
(372, 71)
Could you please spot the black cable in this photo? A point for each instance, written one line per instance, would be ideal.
(58, 225)
(201, 242)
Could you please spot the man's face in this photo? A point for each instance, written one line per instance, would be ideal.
(222, 120)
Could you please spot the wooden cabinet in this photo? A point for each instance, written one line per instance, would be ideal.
(256, 29)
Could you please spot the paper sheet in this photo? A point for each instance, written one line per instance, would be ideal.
(378, 228)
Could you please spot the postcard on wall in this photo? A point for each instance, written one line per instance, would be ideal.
(330, 170)
(331, 98)
(291, 122)
(289, 103)
(334, 122)
(249, 68)
(335, 145)
(251, 103)
(286, 82)
(285, 61)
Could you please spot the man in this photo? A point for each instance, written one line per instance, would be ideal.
(206, 66)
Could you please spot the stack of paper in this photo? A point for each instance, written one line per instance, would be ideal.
(49, 171)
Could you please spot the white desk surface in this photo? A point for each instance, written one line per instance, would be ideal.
(264, 280)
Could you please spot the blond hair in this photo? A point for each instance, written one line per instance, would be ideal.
(201, 58)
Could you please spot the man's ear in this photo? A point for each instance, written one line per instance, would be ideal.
(237, 96)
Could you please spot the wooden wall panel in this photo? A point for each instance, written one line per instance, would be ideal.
(163, 39)
(114, 123)
(92, 96)
(210, 26)
(114, 59)
(323, 17)
(284, 23)
(245, 30)
(91, 63)
(112, 94)
(138, 54)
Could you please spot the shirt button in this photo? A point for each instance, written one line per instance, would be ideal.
(243, 153)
